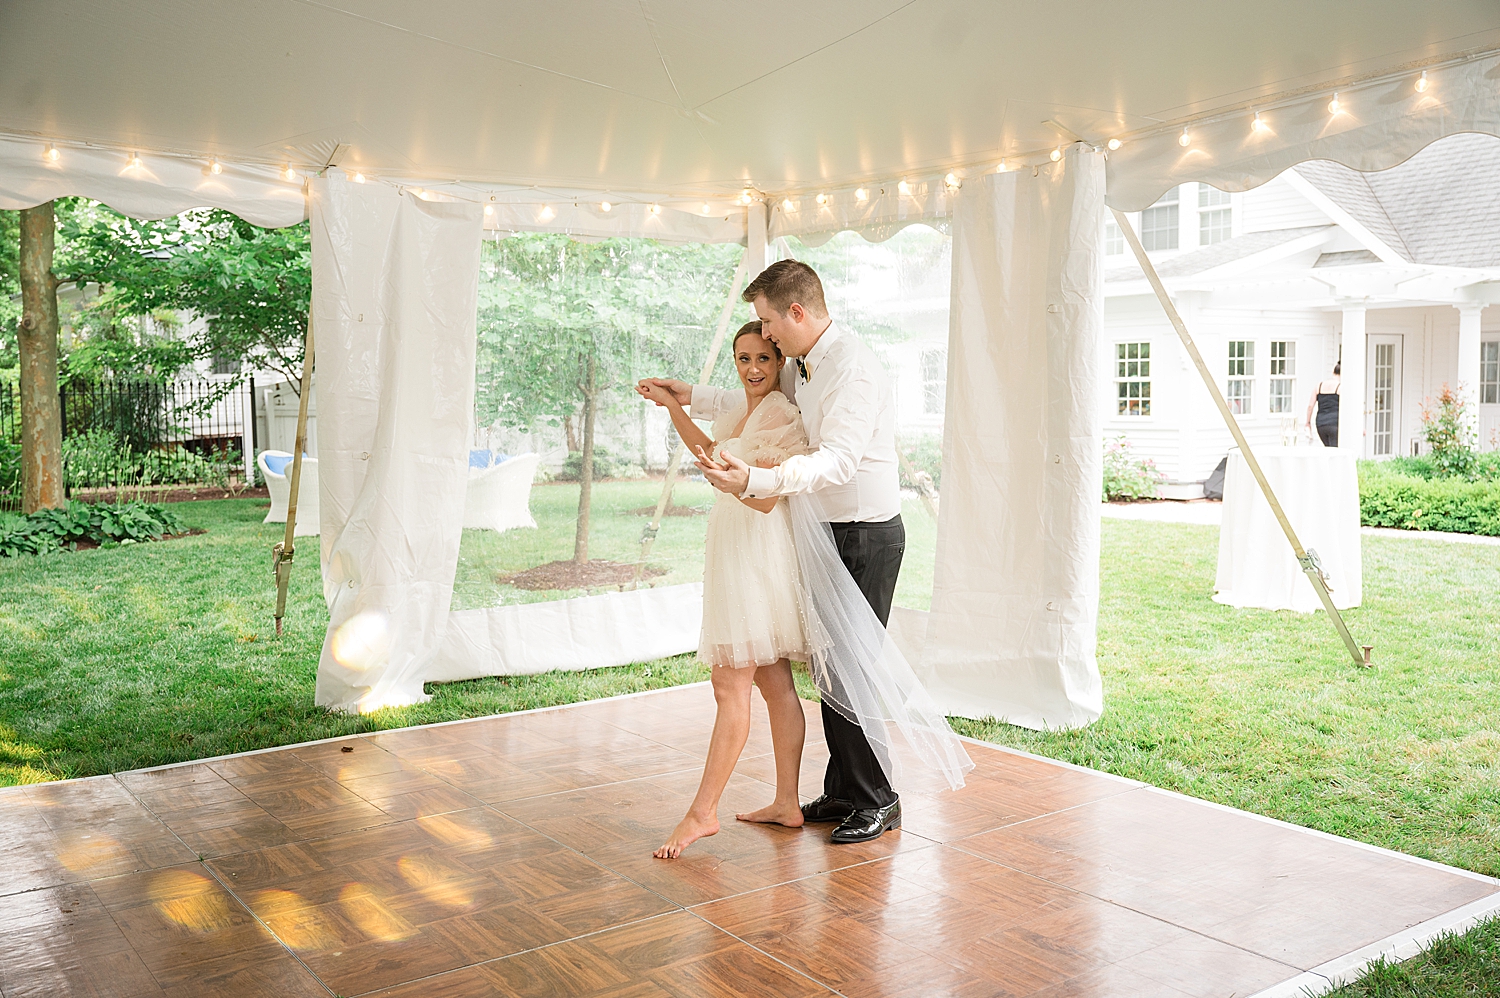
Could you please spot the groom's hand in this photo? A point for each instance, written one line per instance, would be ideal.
(732, 476)
(680, 390)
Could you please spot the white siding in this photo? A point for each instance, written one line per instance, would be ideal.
(1275, 205)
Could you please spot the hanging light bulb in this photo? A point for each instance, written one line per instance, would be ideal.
(860, 194)
(1055, 154)
(952, 181)
(1001, 167)
(903, 187)
(1335, 106)
(1113, 144)
(52, 154)
(605, 206)
(822, 199)
(547, 213)
(135, 161)
(745, 196)
(655, 209)
(1184, 139)
(489, 209)
(1422, 83)
(359, 178)
(289, 173)
(787, 204)
(1259, 124)
(214, 166)
(706, 209)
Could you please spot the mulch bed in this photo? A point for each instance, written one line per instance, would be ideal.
(91, 545)
(170, 495)
(596, 574)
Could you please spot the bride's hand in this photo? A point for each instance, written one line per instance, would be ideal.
(664, 390)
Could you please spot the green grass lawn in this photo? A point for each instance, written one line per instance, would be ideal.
(127, 657)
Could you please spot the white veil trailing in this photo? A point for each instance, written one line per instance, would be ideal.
(862, 674)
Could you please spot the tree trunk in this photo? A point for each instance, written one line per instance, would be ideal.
(41, 410)
(586, 469)
(570, 431)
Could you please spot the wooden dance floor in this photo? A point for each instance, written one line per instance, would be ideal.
(512, 856)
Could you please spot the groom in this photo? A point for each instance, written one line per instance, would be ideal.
(850, 417)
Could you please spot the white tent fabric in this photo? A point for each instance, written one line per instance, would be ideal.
(395, 289)
(1016, 587)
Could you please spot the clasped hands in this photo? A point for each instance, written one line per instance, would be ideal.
(728, 474)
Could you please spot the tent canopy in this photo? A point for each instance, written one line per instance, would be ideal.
(688, 104)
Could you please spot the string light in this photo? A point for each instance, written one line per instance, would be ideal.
(489, 209)
(1259, 124)
(547, 213)
(860, 194)
(1335, 106)
(1113, 144)
(788, 205)
(745, 196)
(1422, 83)
(951, 180)
(903, 187)
(655, 209)
(605, 206)
(289, 173)
(215, 167)
(1184, 139)
(135, 161)
(1001, 167)
(1055, 154)
(53, 154)
(706, 209)
(822, 199)
(359, 178)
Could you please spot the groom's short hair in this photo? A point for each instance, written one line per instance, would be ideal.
(785, 282)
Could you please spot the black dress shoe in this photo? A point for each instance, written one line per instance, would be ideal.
(827, 808)
(868, 823)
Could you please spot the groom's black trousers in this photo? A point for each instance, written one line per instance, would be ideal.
(872, 553)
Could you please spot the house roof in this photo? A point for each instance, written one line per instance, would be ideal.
(1346, 258)
(1439, 208)
(1217, 255)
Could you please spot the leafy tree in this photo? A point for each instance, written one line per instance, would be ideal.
(566, 327)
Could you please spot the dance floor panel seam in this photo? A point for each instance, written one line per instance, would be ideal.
(511, 855)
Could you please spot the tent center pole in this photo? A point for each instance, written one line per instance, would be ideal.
(648, 535)
(1307, 559)
(281, 555)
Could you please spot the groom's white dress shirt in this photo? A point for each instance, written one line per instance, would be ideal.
(849, 412)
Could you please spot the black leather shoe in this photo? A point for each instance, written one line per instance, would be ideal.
(827, 808)
(868, 823)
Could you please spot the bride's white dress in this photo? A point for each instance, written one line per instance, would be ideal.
(753, 613)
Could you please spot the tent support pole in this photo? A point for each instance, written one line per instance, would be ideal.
(1307, 559)
(281, 556)
(648, 536)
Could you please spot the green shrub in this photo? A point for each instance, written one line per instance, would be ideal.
(925, 454)
(1447, 430)
(1390, 498)
(10, 466)
(100, 459)
(1128, 477)
(606, 465)
(81, 523)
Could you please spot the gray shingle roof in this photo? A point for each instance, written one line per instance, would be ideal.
(1218, 254)
(1441, 207)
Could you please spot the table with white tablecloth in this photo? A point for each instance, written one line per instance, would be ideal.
(1319, 489)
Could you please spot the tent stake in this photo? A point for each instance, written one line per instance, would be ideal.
(281, 555)
(648, 535)
(1307, 559)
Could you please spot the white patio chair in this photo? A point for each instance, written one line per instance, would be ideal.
(276, 470)
(499, 496)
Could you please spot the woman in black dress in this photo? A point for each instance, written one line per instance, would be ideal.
(1326, 401)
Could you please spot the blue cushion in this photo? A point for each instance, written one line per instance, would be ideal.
(479, 458)
(276, 463)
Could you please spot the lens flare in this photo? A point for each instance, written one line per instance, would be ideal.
(361, 642)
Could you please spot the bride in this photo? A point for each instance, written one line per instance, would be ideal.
(753, 613)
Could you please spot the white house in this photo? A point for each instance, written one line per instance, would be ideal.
(1395, 273)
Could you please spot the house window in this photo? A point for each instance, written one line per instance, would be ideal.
(1215, 216)
(1240, 389)
(1114, 239)
(1283, 385)
(1489, 372)
(1133, 379)
(934, 381)
(1159, 223)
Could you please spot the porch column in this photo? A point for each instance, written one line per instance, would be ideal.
(1352, 394)
(1466, 376)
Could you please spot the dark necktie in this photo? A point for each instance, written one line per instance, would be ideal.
(802, 370)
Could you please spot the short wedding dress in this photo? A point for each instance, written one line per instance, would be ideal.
(753, 611)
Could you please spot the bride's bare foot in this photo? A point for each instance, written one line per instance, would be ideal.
(689, 830)
(776, 813)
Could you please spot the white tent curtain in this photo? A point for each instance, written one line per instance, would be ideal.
(1016, 584)
(395, 290)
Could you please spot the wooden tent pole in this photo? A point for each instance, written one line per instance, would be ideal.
(283, 552)
(648, 535)
(1307, 559)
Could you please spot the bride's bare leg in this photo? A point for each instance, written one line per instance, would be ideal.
(788, 732)
(731, 728)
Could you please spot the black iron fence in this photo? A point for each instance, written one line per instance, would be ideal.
(138, 436)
